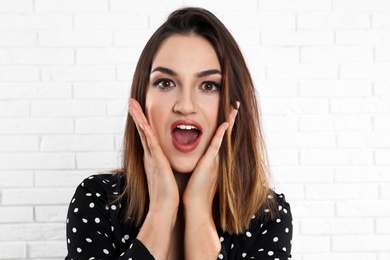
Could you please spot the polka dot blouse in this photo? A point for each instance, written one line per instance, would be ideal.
(96, 228)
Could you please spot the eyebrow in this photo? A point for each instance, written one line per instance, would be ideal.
(198, 75)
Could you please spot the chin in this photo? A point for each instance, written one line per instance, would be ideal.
(182, 167)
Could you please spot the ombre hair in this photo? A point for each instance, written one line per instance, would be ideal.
(244, 177)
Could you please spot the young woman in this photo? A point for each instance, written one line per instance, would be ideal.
(195, 181)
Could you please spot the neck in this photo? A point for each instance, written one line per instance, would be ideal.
(181, 180)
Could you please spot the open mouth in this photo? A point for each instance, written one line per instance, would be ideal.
(185, 135)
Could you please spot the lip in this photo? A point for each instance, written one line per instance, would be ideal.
(186, 148)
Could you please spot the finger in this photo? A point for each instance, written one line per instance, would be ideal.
(136, 118)
(215, 144)
(134, 103)
(232, 115)
(151, 138)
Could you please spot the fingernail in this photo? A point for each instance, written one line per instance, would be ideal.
(238, 104)
(130, 103)
(226, 126)
(142, 127)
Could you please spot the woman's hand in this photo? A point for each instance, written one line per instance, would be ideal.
(201, 239)
(163, 190)
(157, 228)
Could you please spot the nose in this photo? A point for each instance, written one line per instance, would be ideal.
(185, 102)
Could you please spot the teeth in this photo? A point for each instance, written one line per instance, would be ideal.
(186, 127)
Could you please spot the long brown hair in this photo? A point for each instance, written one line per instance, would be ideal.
(244, 179)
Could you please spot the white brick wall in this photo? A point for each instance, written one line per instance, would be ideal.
(322, 69)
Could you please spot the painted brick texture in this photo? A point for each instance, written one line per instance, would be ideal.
(322, 70)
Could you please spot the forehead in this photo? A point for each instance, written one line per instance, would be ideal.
(181, 52)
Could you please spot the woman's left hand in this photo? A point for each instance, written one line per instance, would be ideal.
(201, 239)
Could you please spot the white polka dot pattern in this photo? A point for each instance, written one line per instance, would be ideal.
(96, 228)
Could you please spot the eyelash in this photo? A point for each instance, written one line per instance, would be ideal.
(159, 81)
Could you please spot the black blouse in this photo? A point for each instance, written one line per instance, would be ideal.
(96, 228)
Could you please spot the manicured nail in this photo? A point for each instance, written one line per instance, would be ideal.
(238, 104)
(142, 126)
(131, 111)
(130, 102)
(226, 126)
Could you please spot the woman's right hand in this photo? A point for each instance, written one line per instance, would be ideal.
(162, 186)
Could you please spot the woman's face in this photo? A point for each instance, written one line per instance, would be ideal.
(183, 99)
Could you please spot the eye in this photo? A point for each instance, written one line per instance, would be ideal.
(164, 83)
(210, 86)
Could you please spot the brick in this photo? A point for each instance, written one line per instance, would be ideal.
(12, 6)
(294, 106)
(275, 123)
(363, 208)
(31, 232)
(382, 157)
(361, 5)
(110, 22)
(380, 20)
(107, 56)
(336, 157)
(36, 126)
(377, 139)
(50, 213)
(359, 243)
(72, 6)
(384, 191)
(330, 88)
(35, 22)
(383, 256)
(365, 174)
(100, 125)
(297, 38)
(12, 250)
(74, 39)
(340, 226)
(335, 122)
(19, 143)
(363, 37)
(382, 225)
(298, 5)
(19, 73)
(279, 157)
(131, 38)
(376, 105)
(12, 161)
(98, 160)
(311, 244)
(270, 55)
(344, 54)
(330, 20)
(341, 191)
(67, 108)
(263, 20)
(14, 109)
(381, 122)
(273, 88)
(35, 90)
(18, 39)
(312, 209)
(382, 54)
(16, 214)
(36, 57)
(293, 192)
(117, 108)
(246, 37)
(382, 88)
(340, 256)
(8, 180)
(302, 174)
(365, 71)
(55, 178)
(125, 73)
(68, 143)
(101, 90)
(46, 249)
(138, 6)
(302, 72)
(37, 196)
(301, 140)
(78, 73)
